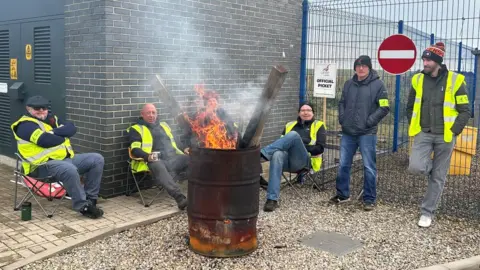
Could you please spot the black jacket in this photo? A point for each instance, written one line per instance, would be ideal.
(359, 110)
(161, 142)
(303, 129)
(431, 112)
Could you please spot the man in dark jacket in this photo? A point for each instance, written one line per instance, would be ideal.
(148, 137)
(363, 104)
(44, 141)
(437, 109)
(301, 146)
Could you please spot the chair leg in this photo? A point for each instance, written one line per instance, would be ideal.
(160, 190)
(289, 182)
(138, 188)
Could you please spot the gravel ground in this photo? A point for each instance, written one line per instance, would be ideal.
(391, 238)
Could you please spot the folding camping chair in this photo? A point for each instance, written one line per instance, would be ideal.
(138, 178)
(307, 174)
(46, 187)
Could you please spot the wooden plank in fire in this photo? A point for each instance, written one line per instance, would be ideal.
(254, 130)
(168, 100)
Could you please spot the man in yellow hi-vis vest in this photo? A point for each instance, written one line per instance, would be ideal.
(437, 110)
(44, 141)
(301, 146)
(153, 141)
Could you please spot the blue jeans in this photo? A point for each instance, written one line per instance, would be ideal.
(68, 172)
(348, 147)
(285, 154)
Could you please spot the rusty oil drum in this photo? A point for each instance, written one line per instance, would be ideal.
(223, 201)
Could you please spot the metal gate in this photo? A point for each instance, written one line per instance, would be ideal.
(32, 62)
(338, 31)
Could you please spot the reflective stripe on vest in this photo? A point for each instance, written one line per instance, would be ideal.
(147, 144)
(316, 161)
(454, 82)
(35, 154)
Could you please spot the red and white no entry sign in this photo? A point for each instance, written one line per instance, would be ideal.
(397, 54)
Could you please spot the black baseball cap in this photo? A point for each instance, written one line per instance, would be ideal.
(38, 102)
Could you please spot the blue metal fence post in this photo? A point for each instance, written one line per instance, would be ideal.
(432, 39)
(303, 56)
(460, 46)
(476, 54)
(397, 101)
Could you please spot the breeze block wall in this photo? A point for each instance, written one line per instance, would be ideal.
(114, 48)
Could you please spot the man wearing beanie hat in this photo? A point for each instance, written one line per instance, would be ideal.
(44, 141)
(437, 109)
(363, 104)
(300, 147)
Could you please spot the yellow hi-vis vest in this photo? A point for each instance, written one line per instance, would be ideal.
(35, 154)
(454, 81)
(147, 144)
(316, 161)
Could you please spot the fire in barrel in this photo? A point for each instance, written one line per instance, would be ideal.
(223, 176)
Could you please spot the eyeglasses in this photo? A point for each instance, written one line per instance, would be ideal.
(39, 108)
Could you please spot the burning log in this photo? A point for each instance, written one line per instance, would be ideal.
(169, 101)
(254, 130)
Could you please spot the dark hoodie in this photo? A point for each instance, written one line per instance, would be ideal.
(161, 142)
(431, 114)
(303, 129)
(359, 110)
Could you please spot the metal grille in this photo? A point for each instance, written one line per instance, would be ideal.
(42, 54)
(4, 99)
(4, 56)
(338, 31)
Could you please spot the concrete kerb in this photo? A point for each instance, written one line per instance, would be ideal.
(92, 236)
(472, 263)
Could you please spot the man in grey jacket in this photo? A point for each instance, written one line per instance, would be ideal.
(437, 110)
(363, 104)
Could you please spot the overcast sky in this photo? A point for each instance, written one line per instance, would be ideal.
(342, 29)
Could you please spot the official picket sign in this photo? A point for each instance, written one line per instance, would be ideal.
(325, 80)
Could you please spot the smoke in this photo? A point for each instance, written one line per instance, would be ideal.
(195, 52)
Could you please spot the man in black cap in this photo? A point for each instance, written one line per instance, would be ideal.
(42, 138)
(363, 104)
(300, 147)
(438, 110)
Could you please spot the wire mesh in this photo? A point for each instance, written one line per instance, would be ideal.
(339, 31)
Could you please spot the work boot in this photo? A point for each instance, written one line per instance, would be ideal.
(91, 211)
(93, 201)
(270, 205)
(182, 202)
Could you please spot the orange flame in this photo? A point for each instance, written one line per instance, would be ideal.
(207, 126)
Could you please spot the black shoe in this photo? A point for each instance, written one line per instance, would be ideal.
(263, 183)
(338, 200)
(270, 205)
(93, 201)
(368, 206)
(91, 211)
(182, 202)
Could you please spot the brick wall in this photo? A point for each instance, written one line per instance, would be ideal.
(114, 47)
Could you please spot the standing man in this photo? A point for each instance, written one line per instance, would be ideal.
(150, 135)
(437, 111)
(42, 138)
(363, 104)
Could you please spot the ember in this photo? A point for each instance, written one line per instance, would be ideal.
(210, 130)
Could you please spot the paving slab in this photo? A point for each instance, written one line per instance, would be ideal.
(23, 242)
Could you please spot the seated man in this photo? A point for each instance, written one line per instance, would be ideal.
(42, 137)
(301, 144)
(149, 136)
